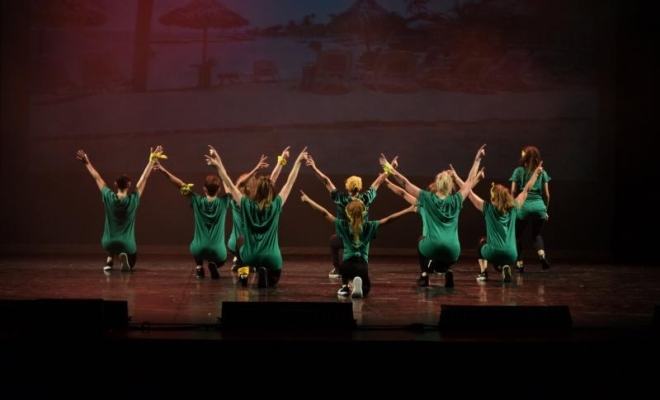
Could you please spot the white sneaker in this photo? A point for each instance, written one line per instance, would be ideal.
(506, 273)
(334, 273)
(125, 266)
(357, 287)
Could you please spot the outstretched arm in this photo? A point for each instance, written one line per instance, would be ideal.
(324, 179)
(317, 207)
(153, 156)
(281, 161)
(214, 160)
(396, 215)
(82, 156)
(401, 180)
(400, 192)
(522, 196)
(286, 189)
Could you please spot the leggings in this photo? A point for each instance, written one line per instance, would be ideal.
(537, 240)
(354, 267)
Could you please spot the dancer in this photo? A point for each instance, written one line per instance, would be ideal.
(245, 184)
(353, 185)
(258, 246)
(535, 209)
(356, 233)
(210, 213)
(120, 207)
(438, 248)
(499, 244)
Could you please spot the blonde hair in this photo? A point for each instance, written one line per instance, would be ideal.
(444, 184)
(353, 184)
(501, 198)
(355, 214)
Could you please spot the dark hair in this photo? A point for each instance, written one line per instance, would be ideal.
(123, 181)
(264, 191)
(212, 184)
(530, 158)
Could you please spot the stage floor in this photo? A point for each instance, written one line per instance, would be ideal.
(175, 326)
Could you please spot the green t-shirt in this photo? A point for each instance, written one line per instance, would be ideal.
(209, 239)
(341, 199)
(119, 228)
(534, 204)
(440, 226)
(500, 247)
(351, 248)
(261, 246)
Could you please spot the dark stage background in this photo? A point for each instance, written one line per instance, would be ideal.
(429, 81)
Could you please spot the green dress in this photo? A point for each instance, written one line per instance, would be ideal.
(500, 247)
(534, 206)
(236, 227)
(119, 228)
(351, 248)
(440, 226)
(208, 242)
(261, 246)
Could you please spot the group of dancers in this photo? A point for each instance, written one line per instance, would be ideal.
(256, 209)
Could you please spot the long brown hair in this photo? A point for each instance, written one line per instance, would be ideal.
(264, 192)
(530, 158)
(355, 214)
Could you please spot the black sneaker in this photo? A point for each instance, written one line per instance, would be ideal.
(544, 263)
(263, 277)
(334, 274)
(213, 269)
(107, 267)
(199, 273)
(125, 265)
(423, 281)
(344, 291)
(449, 278)
(520, 268)
(244, 275)
(234, 267)
(482, 277)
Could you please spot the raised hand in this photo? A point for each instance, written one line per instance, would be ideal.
(303, 197)
(303, 155)
(82, 156)
(480, 153)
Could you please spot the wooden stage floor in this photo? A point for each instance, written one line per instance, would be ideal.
(174, 320)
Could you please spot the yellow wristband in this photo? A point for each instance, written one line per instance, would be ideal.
(387, 168)
(281, 160)
(154, 156)
(186, 189)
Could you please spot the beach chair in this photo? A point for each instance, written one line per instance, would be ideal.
(333, 72)
(264, 71)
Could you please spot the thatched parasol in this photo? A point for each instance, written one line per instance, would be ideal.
(366, 18)
(204, 15)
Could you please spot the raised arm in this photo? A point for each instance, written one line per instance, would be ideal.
(260, 165)
(153, 156)
(213, 158)
(522, 196)
(286, 189)
(473, 176)
(281, 161)
(82, 156)
(176, 181)
(396, 215)
(324, 179)
(400, 192)
(401, 180)
(317, 207)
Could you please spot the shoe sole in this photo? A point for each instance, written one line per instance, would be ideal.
(107, 268)
(357, 288)
(213, 269)
(125, 266)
